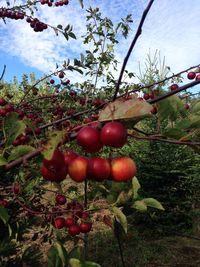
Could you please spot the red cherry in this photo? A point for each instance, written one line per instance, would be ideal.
(56, 162)
(89, 138)
(61, 74)
(191, 75)
(54, 175)
(198, 77)
(4, 203)
(154, 110)
(69, 155)
(85, 227)
(60, 199)
(187, 106)
(3, 102)
(85, 215)
(3, 112)
(78, 169)
(113, 134)
(16, 188)
(146, 96)
(74, 230)
(69, 222)
(59, 222)
(174, 87)
(98, 169)
(122, 169)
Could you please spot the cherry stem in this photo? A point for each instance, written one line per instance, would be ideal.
(85, 207)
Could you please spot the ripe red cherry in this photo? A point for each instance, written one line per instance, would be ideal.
(191, 75)
(59, 222)
(187, 106)
(4, 203)
(85, 227)
(3, 112)
(52, 81)
(198, 77)
(56, 162)
(122, 169)
(69, 155)
(174, 87)
(69, 222)
(98, 169)
(74, 230)
(146, 96)
(16, 188)
(3, 102)
(154, 110)
(54, 175)
(60, 199)
(85, 215)
(113, 134)
(61, 74)
(89, 138)
(78, 169)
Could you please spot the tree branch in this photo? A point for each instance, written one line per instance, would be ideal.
(138, 33)
(3, 72)
(182, 88)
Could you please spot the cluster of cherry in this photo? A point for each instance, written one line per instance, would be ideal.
(78, 221)
(91, 139)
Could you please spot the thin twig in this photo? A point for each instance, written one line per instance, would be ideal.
(3, 72)
(138, 33)
(155, 138)
(182, 88)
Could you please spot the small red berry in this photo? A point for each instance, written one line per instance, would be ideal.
(74, 230)
(60, 199)
(191, 75)
(174, 87)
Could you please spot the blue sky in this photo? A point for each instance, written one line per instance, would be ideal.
(172, 27)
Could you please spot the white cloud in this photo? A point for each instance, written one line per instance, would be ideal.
(171, 27)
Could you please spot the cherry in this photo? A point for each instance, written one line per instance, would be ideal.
(60, 199)
(56, 162)
(146, 96)
(89, 138)
(122, 169)
(3, 102)
(52, 81)
(98, 169)
(54, 175)
(69, 222)
(85, 227)
(74, 230)
(59, 222)
(113, 134)
(198, 77)
(191, 75)
(61, 74)
(174, 87)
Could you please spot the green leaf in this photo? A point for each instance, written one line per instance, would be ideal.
(196, 108)
(120, 217)
(62, 253)
(139, 205)
(126, 109)
(171, 108)
(20, 151)
(75, 253)
(4, 214)
(151, 202)
(90, 264)
(72, 35)
(74, 263)
(81, 3)
(175, 133)
(57, 255)
(122, 198)
(135, 187)
(54, 139)
(3, 161)
(53, 258)
(13, 127)
(60, 26)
